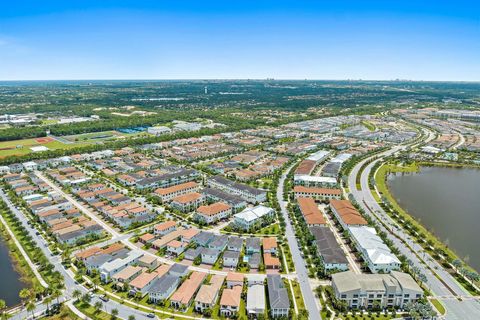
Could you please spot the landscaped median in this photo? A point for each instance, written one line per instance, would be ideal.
(438, 305)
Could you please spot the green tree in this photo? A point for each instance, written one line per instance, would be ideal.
(114, 313)
(86, 298)
(47, 301)
(98, 306)
(3, 308)
(31, 307)
(76, 294)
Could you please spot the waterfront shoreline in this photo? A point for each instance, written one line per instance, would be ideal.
(429, 238)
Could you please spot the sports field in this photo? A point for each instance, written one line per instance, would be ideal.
(93, 137)
(21, 147)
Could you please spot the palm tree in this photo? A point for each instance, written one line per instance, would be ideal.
(131, 317)
(114, 313)
(47, 301)
(56, 293)
(98, 305)
(31, 307)
(86, 298)
(3, 306)
(76, 294)
(24, 294)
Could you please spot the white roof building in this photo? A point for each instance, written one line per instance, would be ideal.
(342, 157)
(111, 267)
(319, 155)
(251, 216)
(374, 251)
(158, 130)
(256, 299)
(314, 181)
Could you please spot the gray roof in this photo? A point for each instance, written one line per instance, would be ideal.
(254, 260)
(277, 294)
(218, 241)
(191, 253)
(231, 254)
(167, 176)
(210, 252)
(393, 283)
(99, 259)
(236, 185)
(331, 168)
(253, 243)
(230, 199)
(163, 283)
(179, 269)
(203, 238)
(328, 246)
(235, 242)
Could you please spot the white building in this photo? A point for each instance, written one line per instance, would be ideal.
(108, 269)
(256, 300)
(314, 181)
(367, 290)
(374, 251)
(157, 131)
(251, 217)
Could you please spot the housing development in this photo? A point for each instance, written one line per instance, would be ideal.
(287, 220)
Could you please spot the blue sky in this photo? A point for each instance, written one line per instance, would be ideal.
(418, 40)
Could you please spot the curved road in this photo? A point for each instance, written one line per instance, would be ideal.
(446, 289)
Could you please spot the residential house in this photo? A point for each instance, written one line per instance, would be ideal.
(278, 296)
(213, 212)
(230, 301)
(230, 259)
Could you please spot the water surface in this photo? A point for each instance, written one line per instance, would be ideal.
(447, 202)
(10, 283)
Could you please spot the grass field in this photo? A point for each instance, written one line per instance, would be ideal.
(93, 137)
(22, 147)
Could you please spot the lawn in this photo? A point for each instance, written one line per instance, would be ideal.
(274, 228)
(370, 126)
(90, 311)
(22, 147)
(438, 305)
(94, 136)
(297, 294)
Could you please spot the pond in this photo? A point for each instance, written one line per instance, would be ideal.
(10, 279)
(447, 202)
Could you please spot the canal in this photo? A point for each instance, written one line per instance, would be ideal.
(10, 279)
(447, 202)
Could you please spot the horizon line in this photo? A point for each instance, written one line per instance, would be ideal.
(236, 79)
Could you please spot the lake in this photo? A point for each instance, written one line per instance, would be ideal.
(9, 277)
(447, 202)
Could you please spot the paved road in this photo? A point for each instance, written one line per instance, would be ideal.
(70, 283)
(124, 238)
(311, 303)
(448, 288)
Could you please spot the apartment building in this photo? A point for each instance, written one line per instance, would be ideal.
(367, 290)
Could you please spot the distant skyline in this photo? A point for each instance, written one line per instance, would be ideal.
(337, 40)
